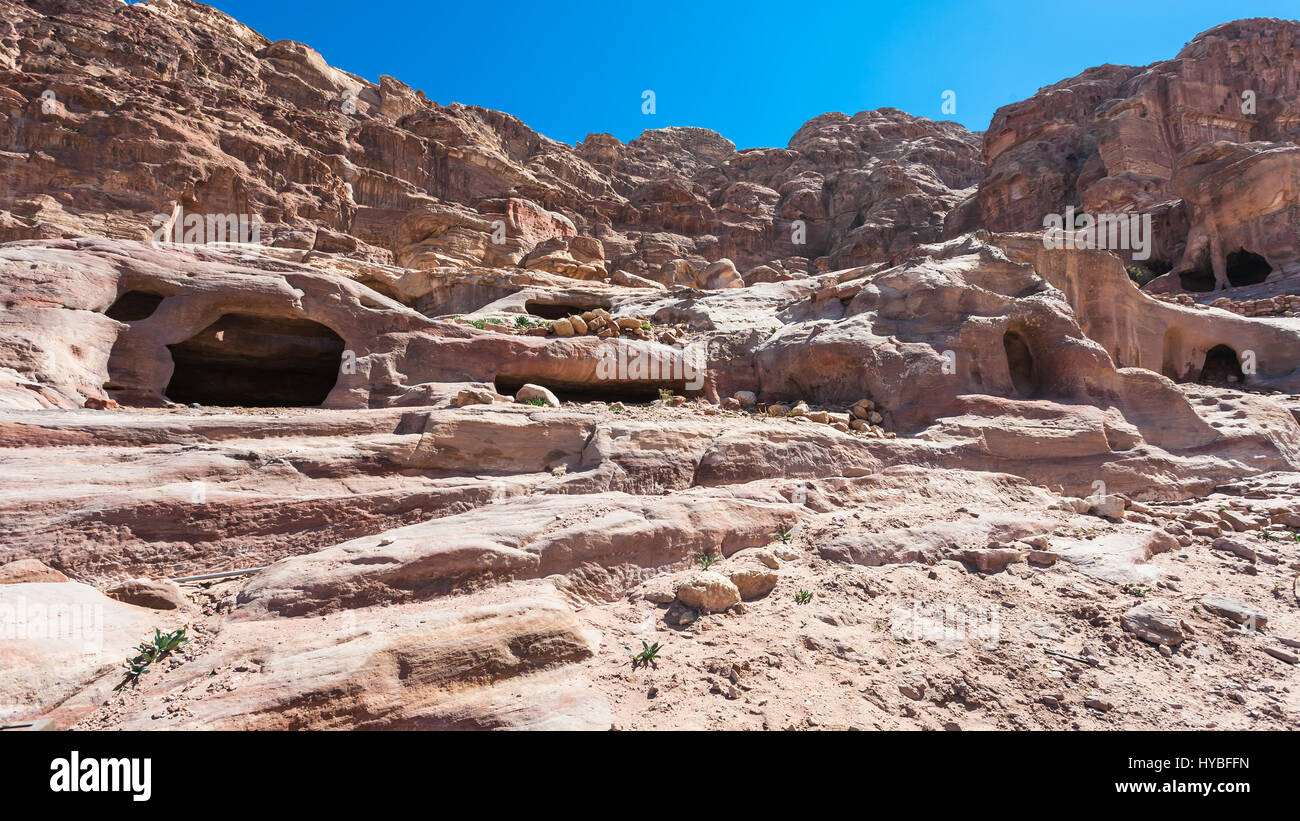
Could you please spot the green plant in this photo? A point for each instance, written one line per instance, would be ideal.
(1135, 590)
(162, 644)
(645, 326)
(1140, 276)
(648, 655)
(665, 395)
(706, 561)
(784, 535)
(1266, 535)
(803, 597)
(538, 401)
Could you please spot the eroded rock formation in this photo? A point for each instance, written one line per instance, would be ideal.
(477, 409)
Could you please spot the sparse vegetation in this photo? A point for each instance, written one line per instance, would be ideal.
(783, 535)
(647, 657)
(1139, 276)
(665, 396)
(803, 597)
(706, 561)
(1136, 590)
(150, 652)
(538, 401)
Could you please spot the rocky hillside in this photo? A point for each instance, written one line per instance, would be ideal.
(169, 103)
(480, 430)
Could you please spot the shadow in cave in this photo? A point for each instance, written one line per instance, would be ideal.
(1246, 268)
(1020, 362)
(134, 306)
(1222, 367)
(1243, 268)
(257, 362)
(640, 391)
(556, 310)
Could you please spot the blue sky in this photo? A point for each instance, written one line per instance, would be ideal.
(753, 71)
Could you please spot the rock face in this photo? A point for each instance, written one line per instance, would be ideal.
(472, 410)
(207, 116)
(1204, 143)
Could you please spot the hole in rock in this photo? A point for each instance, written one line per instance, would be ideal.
(259, 362)
(1197, 281)
(1246, 268)
(1020, 362)
(640, 391)
(555, 310)
(1221, 362)
(1243, 268)
(134, 306)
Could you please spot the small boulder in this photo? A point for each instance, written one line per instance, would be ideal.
(747, 399)
(1235, 611)
(530, 392)
(473, 396)
(988, 559)
(753, 572)
(26, 571)
(1236, 547)
(1152, 621)
(562, 327)
(157, 594)
(1109, 506)
(708, 590)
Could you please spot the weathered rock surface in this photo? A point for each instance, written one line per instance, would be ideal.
(811, 363)
(1152, 621)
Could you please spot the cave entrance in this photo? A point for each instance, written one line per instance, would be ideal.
(134, 306)
(641, 391)
(257, 362)
(556, 310)
(1221, 367)
(1020, 362)
(1247, 268)
(1242, 267)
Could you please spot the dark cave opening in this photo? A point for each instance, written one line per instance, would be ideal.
(1020, 362)
(638, 392)
(556, 310)
(256, 362)
(134, 306)
(1198, 281)
(1247, 268)
(1221, 367)
(1243, 268)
